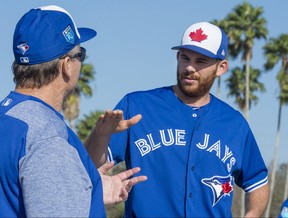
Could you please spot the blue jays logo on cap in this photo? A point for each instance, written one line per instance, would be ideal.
(220, 186)
(69, 34)
(23, 47)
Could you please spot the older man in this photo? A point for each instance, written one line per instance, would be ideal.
(45, 171)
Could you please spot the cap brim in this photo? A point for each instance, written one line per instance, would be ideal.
(86, 34)
(196, 49)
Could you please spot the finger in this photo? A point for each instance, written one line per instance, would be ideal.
(118, 112)
(134, 120)
(128, 173)
(100, 119)
(124, 195)
(105, 167)
(134, 181)
(117, 115)
(99, 123)
(107, 115)
(125, 124)
(131, 182)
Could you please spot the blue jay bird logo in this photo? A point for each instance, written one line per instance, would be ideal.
(220, 186)
(23, 47)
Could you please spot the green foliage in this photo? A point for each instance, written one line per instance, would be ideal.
(276, 50)
(84, 126)
(115, 211)
(86, 76)
(236, 84)
(245, 24)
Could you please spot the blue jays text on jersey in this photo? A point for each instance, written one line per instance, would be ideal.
(192, 157)
(176, 137)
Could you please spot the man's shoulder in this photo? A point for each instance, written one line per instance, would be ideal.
(39, 118)
(223, 106)
(152, 92)
(223, 110)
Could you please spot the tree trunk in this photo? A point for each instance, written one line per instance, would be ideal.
(274, 161)
(246, 113)
(247, 86)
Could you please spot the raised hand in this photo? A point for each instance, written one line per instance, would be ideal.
(116, 188)
(112, 121)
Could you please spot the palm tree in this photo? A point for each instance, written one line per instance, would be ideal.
(276, 50)
(71, 104)
(245, 24)
(236, 83)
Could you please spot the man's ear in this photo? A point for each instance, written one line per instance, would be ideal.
(66, 69)
(222, 67)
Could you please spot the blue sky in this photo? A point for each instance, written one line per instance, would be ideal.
(132, 51)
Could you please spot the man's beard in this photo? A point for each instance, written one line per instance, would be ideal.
(201, 89)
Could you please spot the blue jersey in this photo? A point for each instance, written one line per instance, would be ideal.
(192, 156)
(45, 170)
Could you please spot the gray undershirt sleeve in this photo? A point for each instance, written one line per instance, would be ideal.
(54, 181)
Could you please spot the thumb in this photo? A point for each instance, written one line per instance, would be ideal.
(105, 167)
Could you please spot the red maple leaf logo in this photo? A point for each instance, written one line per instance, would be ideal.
(198, 36)
(227, 188)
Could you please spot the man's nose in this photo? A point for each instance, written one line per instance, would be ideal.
(190, 68)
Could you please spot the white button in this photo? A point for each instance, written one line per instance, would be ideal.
(194, 115)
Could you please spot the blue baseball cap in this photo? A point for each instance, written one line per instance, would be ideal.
(205, 38)
(47, 33)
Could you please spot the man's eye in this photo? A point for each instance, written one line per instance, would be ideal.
(184, 58)
(200, 61)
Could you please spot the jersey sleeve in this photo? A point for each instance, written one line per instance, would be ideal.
(254, 173)
(54, 181)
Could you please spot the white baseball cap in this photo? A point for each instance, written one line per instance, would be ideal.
(205, 38)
